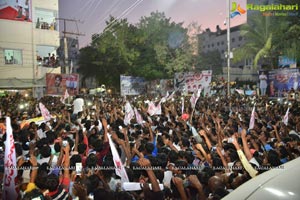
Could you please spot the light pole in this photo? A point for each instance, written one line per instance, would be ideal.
(228, 47)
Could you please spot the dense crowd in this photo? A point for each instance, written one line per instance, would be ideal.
(182, 153)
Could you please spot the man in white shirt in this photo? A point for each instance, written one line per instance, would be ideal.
(78, 105)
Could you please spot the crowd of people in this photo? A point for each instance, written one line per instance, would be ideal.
(183, 153)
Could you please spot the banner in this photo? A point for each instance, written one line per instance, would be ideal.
(282, 80)
(192, 81)
(19, 10)
(132, 85)
(57, 84)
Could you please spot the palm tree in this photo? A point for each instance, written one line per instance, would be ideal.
(262, 34)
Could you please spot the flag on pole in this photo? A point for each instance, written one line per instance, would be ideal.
(71, 67)
(165, 98)
(195, 97)
(171, 95)
(286, 117)
(129, 113)
(10, 163)
(151, 108)
(66, 95)
(120, 169)
(138, 117)
(45, 112)
(158, 109)
(252, 119)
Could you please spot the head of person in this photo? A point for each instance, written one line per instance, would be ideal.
(58, 79)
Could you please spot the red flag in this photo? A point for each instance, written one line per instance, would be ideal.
(45, 112)
(10, 163)
(286, 117)
(252, 119)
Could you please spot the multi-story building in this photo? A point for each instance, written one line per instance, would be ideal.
(29, 38)
(217, 41)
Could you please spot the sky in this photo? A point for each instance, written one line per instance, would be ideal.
(92, 14)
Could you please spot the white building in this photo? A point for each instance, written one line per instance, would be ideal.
(212, 41)
(29, 38)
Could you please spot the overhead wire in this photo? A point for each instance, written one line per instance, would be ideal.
(125, 13)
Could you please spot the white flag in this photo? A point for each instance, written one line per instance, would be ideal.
(138, 117)
(286, 117)
(195, 97)
(45, 112)
(165, 98)
(10, 163)
(252, 119)
(171, 96)
(129, 113)
(151, 108)
(66, 95)
(120, 170)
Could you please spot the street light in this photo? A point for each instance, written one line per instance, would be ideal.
(228, 47)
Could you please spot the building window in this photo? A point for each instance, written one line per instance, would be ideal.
(45, 19)
(240, 38)
(218, 43)
(233, 40)
(208, 46)
(212, 45)
(222, 42)
(46, 56)
(13, 56)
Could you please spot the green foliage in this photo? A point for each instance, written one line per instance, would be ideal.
(155, 48)
(269, 37)
(210, 60)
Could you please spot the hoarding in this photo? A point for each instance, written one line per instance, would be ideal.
(19, 10)
(56, 84)
(131, 85)
(191, 81)
(283, 80)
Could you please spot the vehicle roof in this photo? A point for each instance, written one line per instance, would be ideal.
(278, 183)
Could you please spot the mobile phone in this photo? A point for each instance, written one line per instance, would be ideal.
(26, 158)
(230, 140)
(65, 143)
(78, 168)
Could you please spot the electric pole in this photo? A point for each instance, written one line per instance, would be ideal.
(66, 58)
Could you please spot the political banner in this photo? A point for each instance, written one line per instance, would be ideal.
(282, 80)
(19, 10)
(57, 84)
(192, 81)
(131, 85)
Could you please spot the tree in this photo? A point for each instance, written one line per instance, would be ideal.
(111, 53)
(165, 47)
(259, 39)
(211, 60)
